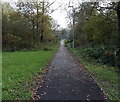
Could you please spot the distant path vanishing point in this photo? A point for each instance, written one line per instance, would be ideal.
(66, 80)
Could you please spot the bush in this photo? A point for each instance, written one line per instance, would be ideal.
(12, 43)
(98, 52)
(77, 43)
(101, 54)
(68, 43)
(109, 58)
(88, 52)
(25, 44)
(47, 49)
(118, 58)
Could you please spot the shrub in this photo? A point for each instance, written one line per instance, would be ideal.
(47, 49)
(109, 58)
(101, 54)
(77, 43)
(68, 43)
(118, 58)
(98, 52)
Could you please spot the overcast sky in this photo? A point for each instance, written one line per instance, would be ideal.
(60, 14)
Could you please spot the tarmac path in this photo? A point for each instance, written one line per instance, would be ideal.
(66, 80)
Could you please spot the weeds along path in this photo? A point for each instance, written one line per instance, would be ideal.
(66, 80)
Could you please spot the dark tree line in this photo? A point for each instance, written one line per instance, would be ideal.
(98, 25)
(26, 25)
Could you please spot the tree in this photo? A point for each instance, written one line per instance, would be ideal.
(26, 25)
(87, 15)
(116, 7)
(100, 30)
(39, 13)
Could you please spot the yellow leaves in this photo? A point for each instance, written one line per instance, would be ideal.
(13, 38)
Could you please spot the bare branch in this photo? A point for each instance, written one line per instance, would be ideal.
(56, 8)
(51, 3)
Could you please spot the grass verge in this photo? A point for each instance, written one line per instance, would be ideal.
(20, 69)
(106, 76)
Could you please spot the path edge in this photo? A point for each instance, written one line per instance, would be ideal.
(87, 71)
(40, 79)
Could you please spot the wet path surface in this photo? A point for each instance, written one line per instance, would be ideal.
(65, 80)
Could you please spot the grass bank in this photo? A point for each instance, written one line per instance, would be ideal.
(21, 68)
(106, 76)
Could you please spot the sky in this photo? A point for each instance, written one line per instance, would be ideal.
(60, 14)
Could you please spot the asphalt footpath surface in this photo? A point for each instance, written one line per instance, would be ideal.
(66, 80)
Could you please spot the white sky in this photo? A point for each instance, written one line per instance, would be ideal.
(60, 14)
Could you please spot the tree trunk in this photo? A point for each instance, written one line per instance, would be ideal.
(34, 36)
(42, 31)
(37, 24)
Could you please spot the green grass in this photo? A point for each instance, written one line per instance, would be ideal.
(19, 69)
(106, 76)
